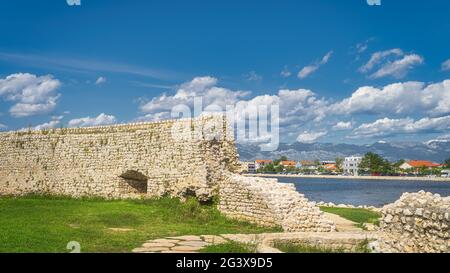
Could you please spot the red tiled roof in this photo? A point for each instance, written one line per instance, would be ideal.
(263, 161)
(330, 166)
(422, 163)
(288, 163)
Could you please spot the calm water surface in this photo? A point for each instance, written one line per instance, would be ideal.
(362, 192)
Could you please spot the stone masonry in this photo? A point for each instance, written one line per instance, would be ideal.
(121, 161)
(178, 158)
(417, 222)
(268, 203)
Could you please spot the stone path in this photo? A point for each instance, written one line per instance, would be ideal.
(193, 243)
(263, 242)
(180, 244)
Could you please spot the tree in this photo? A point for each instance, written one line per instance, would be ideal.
(447, 163)
(278, 161)
(373, 163)
(339, 164)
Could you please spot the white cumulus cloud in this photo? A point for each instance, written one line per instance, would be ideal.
(387, 127)
(342, 126)
(205, 87)
(102, 119)
(399, 68)
(308, 70)
(32, 95)
(393, 62)
(55, 122)
(398, 98)
(3, 127)
(310, 137)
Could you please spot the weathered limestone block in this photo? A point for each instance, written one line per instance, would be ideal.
(269, 203)
(417, 222)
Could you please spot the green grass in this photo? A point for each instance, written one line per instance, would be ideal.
(359, 216)
(303, 248)
(229, 247)
(47, 224)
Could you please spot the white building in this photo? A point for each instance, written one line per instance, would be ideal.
(351, 165)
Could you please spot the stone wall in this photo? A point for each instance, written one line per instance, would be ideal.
(193, 157)
(266, 202)
(120, 161)
(417, 222)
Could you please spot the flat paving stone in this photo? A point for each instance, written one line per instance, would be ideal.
(193, 243)
(151, 244)
(186, 248)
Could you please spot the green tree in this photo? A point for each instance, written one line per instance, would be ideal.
(339, 164)
(278, 161)
(447, 163)
(373, 163)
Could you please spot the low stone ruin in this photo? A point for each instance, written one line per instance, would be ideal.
(416, 223)
(268, 203)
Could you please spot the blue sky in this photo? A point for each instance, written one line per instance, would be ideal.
(349, 72)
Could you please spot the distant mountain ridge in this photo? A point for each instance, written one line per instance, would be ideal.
(433, 150)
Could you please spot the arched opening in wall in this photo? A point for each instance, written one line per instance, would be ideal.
(133, 182)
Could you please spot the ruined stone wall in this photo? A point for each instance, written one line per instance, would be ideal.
(132, 160)
(417, 222)
(193, 157)
(267, 202)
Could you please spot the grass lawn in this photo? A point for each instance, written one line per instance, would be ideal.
(359, 216)
(47, 224)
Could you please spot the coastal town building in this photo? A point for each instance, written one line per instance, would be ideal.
(261, 163)
(251, 167)
(288, 164)
(417, 164)
(308, 165)
(351, 165)
(331, 167)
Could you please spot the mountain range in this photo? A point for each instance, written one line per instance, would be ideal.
(433, 150)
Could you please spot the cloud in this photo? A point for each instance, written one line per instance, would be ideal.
(399, 98)
(55, 122)
(378, 57)
(388, 127)
(302, 109)
(33, 95)
(3, 127)
(253, 76)
(101, 119)
(392, 62)
(100, 81)
(310, 137)
(308, 70)
(204, 87)
(285, 73)
(82, 66)
(342, 126)
(398, 69)
(446, 65)
(362, 47)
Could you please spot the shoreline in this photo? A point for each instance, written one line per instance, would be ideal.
(395, 178)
